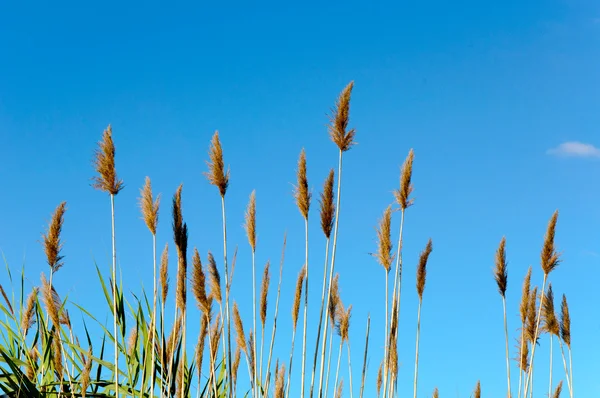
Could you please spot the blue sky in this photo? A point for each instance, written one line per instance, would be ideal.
(499, 101)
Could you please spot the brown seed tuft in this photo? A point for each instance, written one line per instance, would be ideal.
(565, 322)
(28, 318)
(339, 389)
(132, 341)
(301, 190)
(343, 138)
(422, 269)
(250, 225)
(334, 299)
(201, 342)
(239, 329)
(550, 258)
(384, 255)
(523, 359)
(57, 353)
(215, 335)
(164, 273)
(199, 283)
(104, 163)
(181, 292)
(327, 205)
(525, 296)
(531, 316)
(173, 338)
(264, 290)
(500, 273)
(280, 382)
(177, 217)
(436, 393)
(406, 188)
(551, 324)
(29, 369)
(298, 295)
(10, 308)
(379, 377)
(215, 278)
(477, 391)
(250, 353)
(343, 321)
(52, 243)
(558, 390)
(51, 301)
(216, 167)
(149, 206)
(236, 364)
(85, 374)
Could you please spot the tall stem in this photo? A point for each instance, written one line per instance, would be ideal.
(417, 351)
(329, 360)
(335, 233)
(529, 378)
(305, 309)
(289, 381)
(364, 369)
(312, 378)
(571, 370)
(349, 368)
(550, 383)
(253, 348)
(519, 358)
(507, 354)
(337, 371)
(114, 275)
(212, 358)
(562, 351)
(228, 330)
(153, 323)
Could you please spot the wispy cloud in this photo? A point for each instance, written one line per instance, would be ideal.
(575, 149)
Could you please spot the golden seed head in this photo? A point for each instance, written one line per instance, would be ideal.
(477, 391)
(327, 205)
(28, 318)
(250, 217)
(216, 166)
(551, 324)
(339, 389)
(531, 316)
(525, 296)
(500, 273)
(164, 273)
(215, 278)
(558, 390)
(104, 163)
(334, 299)
(301, 190)
(406, 188)
(10, 308)
(52, 243)
(264, 290)
(436, 393)
(565, 322)
(385, 257)
(298, 295)
(422, 269)
(338, 132)
(149, 206)
(549, 257)
(239, 329)
(199, 283)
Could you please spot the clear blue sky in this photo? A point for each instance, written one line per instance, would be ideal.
(482, 91)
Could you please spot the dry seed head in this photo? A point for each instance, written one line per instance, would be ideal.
(334, 299)
(531, 316)
(384, 243)
(239, 329)
(57, 352)
(525, 296)
(558, 390)
(104, 163)
(565, 322)
(301, 190)
(477, 391)
(201, 342)
(215, 335)
(164, 273)
(551, 324)
(280, 382)
(343, 321)
(436, 393)
(132, 341)
(29, 369)
(52, 243)
(339, 389)
(215, 278)
(177, 217)
(199, 283)
(379, 377)
(85, 374)
(216, 167)
(523, 360)
(264, 290)
(250, 353)
(338, 132)
(173, 338)
(298, 295)
(327, 205)
(6, 299)
(550, 258)
(250, 225)
(422, 269)
(500, 273)
(149, 206)
(236, 364)
(51, 301)
(182, 270)
(403, 194)
(393, 350)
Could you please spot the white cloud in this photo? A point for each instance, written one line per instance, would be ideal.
(575, 149)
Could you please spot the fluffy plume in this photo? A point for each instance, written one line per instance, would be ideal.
(327, 205)
(436, 393)
(525, 296)
(338, 132)
(549, 257)
(280, 382)
(104, 163)
(523, 358)
(301, 190)
(57, 353)
(215, 335)
(182, 270)
(379, 378)
(149, 206)
(29, 369)
(551, 324)
(201, 342)
(403, 194)
(264, 290)
(215, 278)
(164, 273)
(422, 269)
(199, 283)
(477, 391)
(177, 217)
(558, 390)
(334, 299)
(52, 243)
(500, 273)
(239, 329)
(339, 389)
(216, 167)
(28, 318)
(85, 374)
(384, 243)
(236, 364)
(250, 353)
(10, 308)
(343, 321)
(298, 295)
(565, 322)
(531, 316)
(173, 338)
(250, 225)
(132, 341)
(51, 301)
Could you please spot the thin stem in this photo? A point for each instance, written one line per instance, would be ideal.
(417, 351)
(507, 354)
(312, 378)
(537, 327)
(153, 320)
(562, 351)
(337, 372)
(364, 369)
(253, 348)
(183, 354)
(329, 360)
(212, 359)
(228, 330)
(333, 251)
(349, 367)
(519, 358)
(289, 381)
(550, 383)
(571, 370)
(114, 275)
(305, 311)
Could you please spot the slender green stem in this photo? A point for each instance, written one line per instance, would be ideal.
(417, 350)
(253, 348)
(153, 323)
(349, 367)
(364, 369)
(305, 310)
(289, 381)
(507, 354)
(228, 330)
(114, 275)
(329, 360)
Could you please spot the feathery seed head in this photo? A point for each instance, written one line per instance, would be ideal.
(280, 382)
(551, 324)
(298, 295)
(104, 163)
(550, 258)
(531, 316)
(10, 308)
(339, 389)
(215, 278)
(477, 391)
(251, 221)
(149, 206)
(422, 269)
(132, 341)
(436, 393)
(565, 322)
(384, 244)
(334, 299)
(264, 290)
(52, 243)
(239, 329)
(379, 377)
(236, 364)
(500, 273)
(164, 273)
(28, 318)
(199, 283)
(327, 205)
(338, 132)
(558, 390)
(301, 190)
(51, 301)
(406, 188)
(525, 296)
(216, 167)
